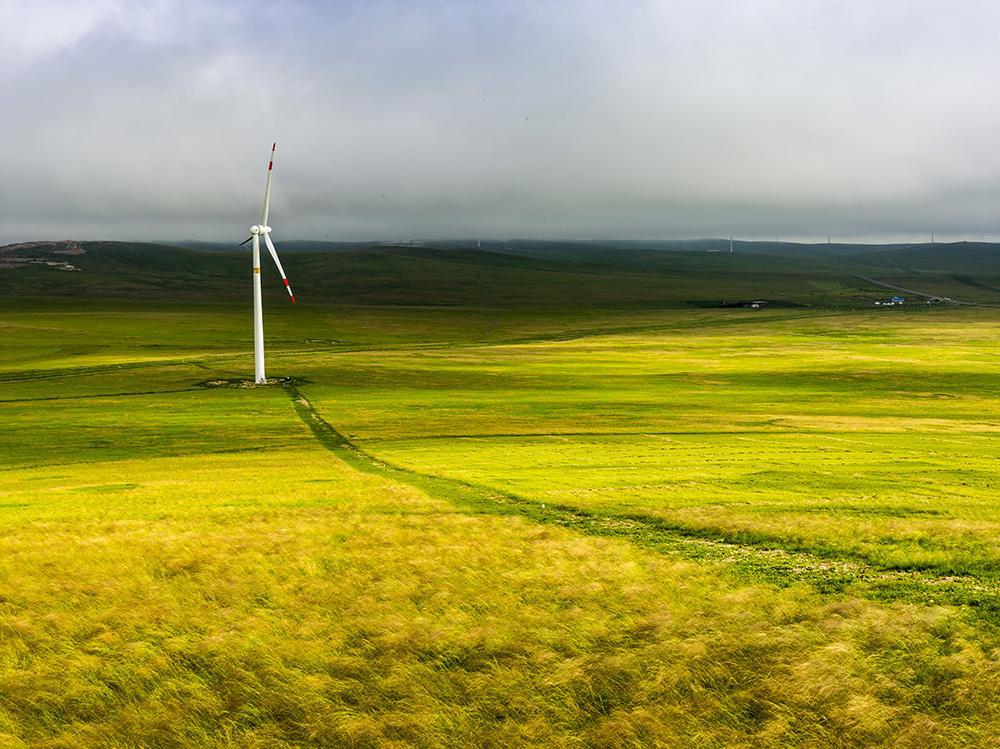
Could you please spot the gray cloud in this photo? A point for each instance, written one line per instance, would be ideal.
(578, 119)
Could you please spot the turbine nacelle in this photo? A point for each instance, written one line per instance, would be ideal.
(258, 229)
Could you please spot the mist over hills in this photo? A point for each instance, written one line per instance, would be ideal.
(510, 273)
(580, 247)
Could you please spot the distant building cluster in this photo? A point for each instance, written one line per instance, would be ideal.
(892, 301)
(895, 301)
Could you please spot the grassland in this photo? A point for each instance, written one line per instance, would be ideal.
(498, 526)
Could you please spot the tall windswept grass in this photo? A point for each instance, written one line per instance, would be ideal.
(183, 566)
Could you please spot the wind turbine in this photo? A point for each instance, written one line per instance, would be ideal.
(258, 313)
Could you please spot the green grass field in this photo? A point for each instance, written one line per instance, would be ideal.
(500, 525)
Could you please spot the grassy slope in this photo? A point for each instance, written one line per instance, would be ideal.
(839, 435)
(191, 566)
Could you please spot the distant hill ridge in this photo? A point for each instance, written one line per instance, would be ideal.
(509, 273)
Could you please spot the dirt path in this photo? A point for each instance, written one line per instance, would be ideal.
(756, 561)
(922, 294)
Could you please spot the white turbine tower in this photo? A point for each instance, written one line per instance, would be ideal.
(258, 313)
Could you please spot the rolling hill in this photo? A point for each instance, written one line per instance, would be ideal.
(513, 274)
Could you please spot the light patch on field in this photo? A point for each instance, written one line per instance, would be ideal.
(884, 424)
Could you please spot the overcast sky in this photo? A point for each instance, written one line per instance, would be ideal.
(683, 118)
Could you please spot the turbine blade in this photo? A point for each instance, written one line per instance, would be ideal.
(245, 241)
(274, 256)
(267, 188)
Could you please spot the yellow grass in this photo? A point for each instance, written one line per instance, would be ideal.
(194, 569)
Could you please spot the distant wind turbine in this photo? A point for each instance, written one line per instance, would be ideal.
(258, 313)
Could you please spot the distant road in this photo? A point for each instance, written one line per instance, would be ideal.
(925, 295)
